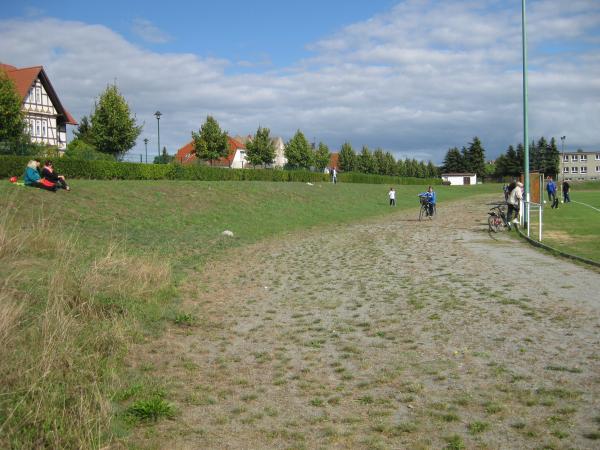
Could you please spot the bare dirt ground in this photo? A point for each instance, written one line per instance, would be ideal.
(386, 334)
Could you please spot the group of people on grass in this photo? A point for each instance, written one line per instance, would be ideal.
(552, 189)
(44, 177)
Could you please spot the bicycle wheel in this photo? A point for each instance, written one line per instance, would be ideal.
(495, 223)
(422, 212)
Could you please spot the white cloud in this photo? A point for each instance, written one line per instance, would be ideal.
(149, 32)
(416, 80)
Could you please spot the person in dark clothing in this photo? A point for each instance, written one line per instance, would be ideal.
(49, 174)
(566, 187)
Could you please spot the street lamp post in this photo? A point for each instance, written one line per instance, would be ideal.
(157, 114)
(146, 144)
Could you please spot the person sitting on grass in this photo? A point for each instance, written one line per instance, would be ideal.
(430, 197)
(49, 174)
(32, 177)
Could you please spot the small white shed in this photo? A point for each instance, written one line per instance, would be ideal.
(460, 179)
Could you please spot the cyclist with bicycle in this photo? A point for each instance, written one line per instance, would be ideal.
(430, 198)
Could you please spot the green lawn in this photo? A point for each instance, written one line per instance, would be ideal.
(183, 220)
(574, 227)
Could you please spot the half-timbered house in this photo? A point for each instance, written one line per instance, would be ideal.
(46, 117)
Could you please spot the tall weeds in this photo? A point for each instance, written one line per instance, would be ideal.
(65, 323)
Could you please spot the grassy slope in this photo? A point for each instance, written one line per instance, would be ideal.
(183, 220)
(88, 272)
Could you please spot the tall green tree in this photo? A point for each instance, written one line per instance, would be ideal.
(210, 143)
(322, 157)
(380, 162)
(365, 162)
(401, 169)
(432, 170)
(113, 127)
(347, 158)
(453, 161)
(261, 149)
(298, 152)
(84, 131)
(552, 159)
(12, 120)
(389, 165)
(476, 157)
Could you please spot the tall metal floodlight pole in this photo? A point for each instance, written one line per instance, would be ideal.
(525, 122)
(146, 144)
(157, 114)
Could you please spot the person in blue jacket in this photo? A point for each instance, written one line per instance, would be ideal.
(32, 177)
(551, 189)
(430, 196)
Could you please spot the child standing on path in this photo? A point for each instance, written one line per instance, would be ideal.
(392, 196)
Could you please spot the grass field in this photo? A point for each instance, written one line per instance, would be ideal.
(90, 272)
(574, 227)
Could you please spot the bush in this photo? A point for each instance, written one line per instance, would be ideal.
(355, 177)
(113, 170)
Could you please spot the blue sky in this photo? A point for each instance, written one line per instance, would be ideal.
(413, 77)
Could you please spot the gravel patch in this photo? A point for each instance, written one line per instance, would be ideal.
(386, 334)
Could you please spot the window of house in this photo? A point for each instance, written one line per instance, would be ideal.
(32, 127)
(597, 168)
(565, 170)
(44, 128)
(38, 128)
(583, 170)
(597, 156)
(38, 95)
(573, 169)
(574, 158)
(565, 158)
(583, 158)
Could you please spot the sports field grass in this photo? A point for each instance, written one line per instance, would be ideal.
(574, 227)
(87, 274)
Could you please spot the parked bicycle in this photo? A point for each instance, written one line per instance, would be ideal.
(497, 219)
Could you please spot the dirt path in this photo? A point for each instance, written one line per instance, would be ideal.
(387, 334)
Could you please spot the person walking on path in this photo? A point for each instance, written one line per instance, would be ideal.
(392, 196)
(551, 189)
(334, 176)
(566, 187)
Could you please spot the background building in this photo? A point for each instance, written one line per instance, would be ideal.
(580, 166)
(46, 117)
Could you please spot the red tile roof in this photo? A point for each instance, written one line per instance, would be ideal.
(24, 79)
(187, 153)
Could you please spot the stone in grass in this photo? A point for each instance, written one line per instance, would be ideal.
(227, 233)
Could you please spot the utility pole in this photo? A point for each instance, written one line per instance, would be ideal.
(525, 120)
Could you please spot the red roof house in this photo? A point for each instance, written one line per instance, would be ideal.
(187, 154)
(45, 115)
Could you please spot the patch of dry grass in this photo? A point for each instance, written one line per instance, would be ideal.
(65, 322)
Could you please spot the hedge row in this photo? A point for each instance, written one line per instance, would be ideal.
(365, 178)
(109, 170)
